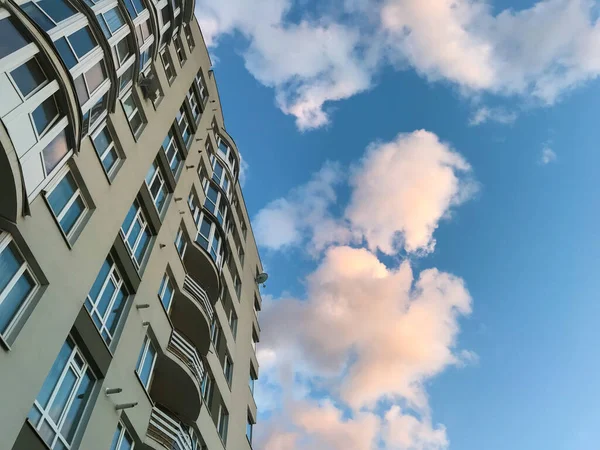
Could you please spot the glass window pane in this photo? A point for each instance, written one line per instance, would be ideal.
(123, 50)
(65, 52)
(60, 401)
(115, 313)
(62, 193)
(57, 9)
(76, 409)
(44, 114)
(129, 106)
(127, 442)
(129, 218)
(116, 436)
(82, 42)
(146, 369)
(114, 19)
(16, 297)
(95, 76)
(135, 122)
(106, 297)
(55, 151)
(104, 26)
(10, 38)
(81, 88)
(36, 15)
(142, 246)
(102, 140)
(100, 279)
(70, 218)
(28, 76)
(110, 159)
(133, 235)
(54, 375)
(10, 261)
(126, 78)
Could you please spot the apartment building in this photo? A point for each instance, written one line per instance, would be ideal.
(129, 275)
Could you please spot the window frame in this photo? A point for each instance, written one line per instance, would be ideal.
(142, 359)
(179, 50)
(213, 235)
(144, 225)
(232, 319)
(167, 281)
(162, 180)
(228, 368)
(167, 63)
(112, 145)
(249, 427)
(223, 423)
(181, 243)
(6, 240)
(119, 436)
(137, 110)
(173, 144)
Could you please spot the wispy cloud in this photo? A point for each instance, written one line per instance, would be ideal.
(547, 156)
(537, 54)
(346, 365)
(498, 115)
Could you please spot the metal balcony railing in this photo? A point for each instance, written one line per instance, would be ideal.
(186, 351)
(170, 433)
(198, 294)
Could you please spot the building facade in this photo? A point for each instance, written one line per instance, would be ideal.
(128, 269)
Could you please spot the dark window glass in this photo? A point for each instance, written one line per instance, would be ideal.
(95, 76)
(62, 193)
(58, 10)
(114, 19)
(126, 78)
(44, 114)
(28, 77)
(82, 41)
(55, 151)
(65, 52)
(37, 16)
(11, 39)
(81, 89)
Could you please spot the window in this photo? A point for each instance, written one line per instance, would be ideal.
(215, 332)
(145, 363)
(207, 387)
(111, 21)
(183, 124)
(220, 176)
(254, 340)
(106, 300)
(228, 368)
(123, 51)
(45, 115)
(188, 36)
(48, 13)
(75, 47)
(67, 204)
(201, 86)
(241, 254)
(215, 203)
(237, 285)
(136, 234)
(56, 151)
(87, 83)
(167, 63)
(125, 79)
(11, 38)
(233, 321)
(194, 104)
(256, 306)
(155, 181)
(223, 423)
(58, 408)
(180, 243)
(166, 291)
(252, 380)
(249, 426)
(143, 32)
(93, 115)
(210, 239)
(106, 150)
(194, 206)
(133, 114)
(244, 228)
(17, 284)
(145, 58)
(134, 7)
(172, 153)
(122, 440)
(29, 77)
(179, 50)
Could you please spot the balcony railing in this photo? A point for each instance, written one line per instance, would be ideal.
(186, 351)
(170, 433)
(198, 294)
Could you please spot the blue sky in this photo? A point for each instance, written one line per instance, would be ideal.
(519, 232)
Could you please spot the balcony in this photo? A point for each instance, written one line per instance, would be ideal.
(177, 378)
(204, 269)
(170, 433)
(192, 314)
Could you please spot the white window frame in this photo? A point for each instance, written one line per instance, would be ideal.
(79, 372)
(178, 120)
(223, 421)
(206, 387)
(228, 156)
(215, 332)
(167, 63)
(163, 185)
(181, 243)
(225, 176)
(202, 89)
(217, 205)
(141, 218)
(177, 151)
(194, 205)
(5, 240)
(233, 321)
(21, 62)
(122, 432)
(117, 280)
(210, 238)
(142, 359)
(181, 56)
(194, 103)
(162, 290)
(78, 193)
(137, 110)
(228, 368)
(111, 146)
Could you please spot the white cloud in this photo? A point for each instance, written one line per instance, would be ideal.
(400, 191)
(547, 156)
(498, 115)
(244, 169)
(403, 188)
(365, 333)
(537, 53)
